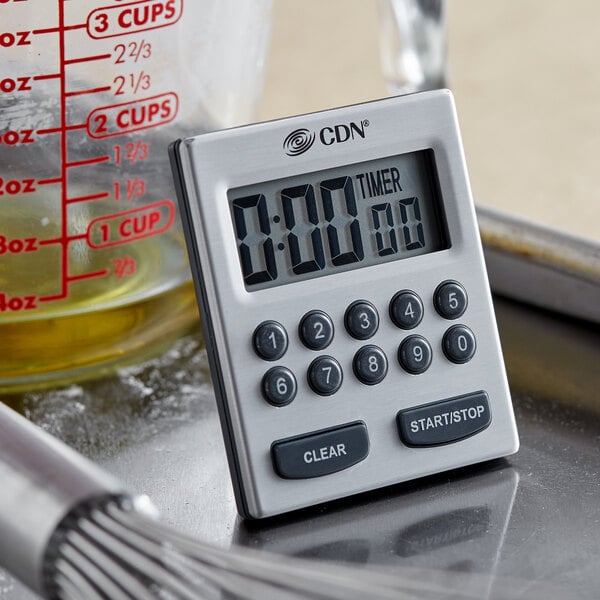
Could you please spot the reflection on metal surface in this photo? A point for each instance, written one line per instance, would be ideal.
(444, 524)
(545, 267)
(352, 551)
(445, 529)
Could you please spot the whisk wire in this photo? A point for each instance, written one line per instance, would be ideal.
(69, 587)
(140, 540)
(240, 585)
(128, 586)
(286, 574)
(172, 559)
(113, 552)
(81, 572)
(142, 560)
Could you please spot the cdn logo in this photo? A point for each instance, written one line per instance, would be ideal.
(300, 140)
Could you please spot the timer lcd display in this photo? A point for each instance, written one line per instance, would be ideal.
(338, 219)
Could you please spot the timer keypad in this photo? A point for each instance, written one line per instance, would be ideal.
(279, 386)
(316, 330)
(450, 299)
(406, 309)
(370, 366)
(361, 320)
(270, 340)
(459, 344)
(414, 354)
(325, 375)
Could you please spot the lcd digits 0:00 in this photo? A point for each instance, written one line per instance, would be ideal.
(339, 219)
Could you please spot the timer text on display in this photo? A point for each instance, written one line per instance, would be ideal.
(344, 300)
(336, 220)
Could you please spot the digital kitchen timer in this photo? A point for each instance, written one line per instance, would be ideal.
(344, 299)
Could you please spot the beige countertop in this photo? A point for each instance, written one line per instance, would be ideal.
(526, 78)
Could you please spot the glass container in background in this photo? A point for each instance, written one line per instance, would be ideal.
(413, 44)
(93, 265)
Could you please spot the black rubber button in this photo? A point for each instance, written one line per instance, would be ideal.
(459, 344)
(406, 309)
(444, 421)
(316, 330)
(450, 299)
(414, 354)
(322, 452)
(279, 386)
(270, 340)
(325, 375)
(370, 365)
(361, 320)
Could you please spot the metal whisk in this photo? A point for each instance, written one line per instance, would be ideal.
(70, 531)
(116, 552)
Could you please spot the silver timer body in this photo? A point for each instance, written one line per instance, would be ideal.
(322, 445)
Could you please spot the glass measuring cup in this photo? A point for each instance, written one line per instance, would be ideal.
(92, 259)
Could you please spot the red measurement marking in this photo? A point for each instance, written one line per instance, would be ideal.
(132, 152)
(55, 297)
(135, 50)
(131, 225)
(64, 261)
(58, 29)
(18, 245)
(133, 187)
(62, 240)
(124, 267)
(8, 39)
(134, 17)
(14, 187)
(49, 76)
(60, 129)
(136, 152)
(99, 196)
(88, 275)
(73, 61)
(15, 84)
(49, 181)
(17, 303)
(97, 90)
(89, 161)
(135, 82)
(15, 138)
(51, 241)
(132, 116)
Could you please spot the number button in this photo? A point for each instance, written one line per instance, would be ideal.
(370, 365)
(459, 344)
(450, 299)
(414, 354)
(316, 330)
(270, 340)
(361, 320)
(279, 386)
(325, 375)
(406, 309)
